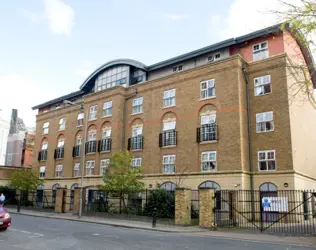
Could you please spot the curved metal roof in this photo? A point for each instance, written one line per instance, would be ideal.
(109, 64)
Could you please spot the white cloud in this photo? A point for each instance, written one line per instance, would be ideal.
(21, 93)
(174, 17)
(61, 16)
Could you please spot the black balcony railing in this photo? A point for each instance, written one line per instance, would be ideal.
(135, 143)
(104, 145)
(91, 147)
(42, 155)
(76, 151)
(207, 132)
(59, 153)
(168, 138)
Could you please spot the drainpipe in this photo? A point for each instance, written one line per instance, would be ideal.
(249, 144)
(124, 116)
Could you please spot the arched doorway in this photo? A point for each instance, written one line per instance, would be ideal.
(54, 190)
(267, 190)
(168, 186)
(39, 195)
(72, 195)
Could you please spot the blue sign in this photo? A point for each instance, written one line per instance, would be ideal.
(266, 203)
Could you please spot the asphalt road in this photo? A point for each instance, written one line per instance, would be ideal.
(43, 233)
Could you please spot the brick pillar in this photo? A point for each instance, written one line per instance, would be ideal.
(59, 200)
(77, 200)
(183, 206)
(207, 205)
(67, 200)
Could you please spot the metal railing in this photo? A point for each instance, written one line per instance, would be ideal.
(42, 155)
(91, 147)
(76, 151)
(168, 138)
(59, 153)
(135, 143)
(207, 132)
(104, 145)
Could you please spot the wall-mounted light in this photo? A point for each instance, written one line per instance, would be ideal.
(286, 184)
(150, 186)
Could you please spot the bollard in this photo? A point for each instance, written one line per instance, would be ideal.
(154, 217)
(19, 206)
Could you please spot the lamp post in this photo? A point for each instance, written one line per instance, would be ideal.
(83, 155)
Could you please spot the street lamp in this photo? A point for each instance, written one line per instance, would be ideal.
(84, 153)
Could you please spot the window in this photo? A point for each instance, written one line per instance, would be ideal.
(45, 128)
(208, 128)
(260, 51)
(80, 119)
(137, 131)
(62, 124)
(77, 170)
(61, 143)
(59, 170)
(262, 85)
(213, 57)
(107, 108)
(169, 126)
(207, 89)
(92, 135)
(60, 149)
(266, 160)
(43, 153)
(112, 77)
(169, 135)
(137, 105)
(106, 133)
(136, 162)
(208, 161)
(93, 112)
(169, 98)
(169, 164)
(264, 122)
(217, 56)
(104, 165)
(177, 68)
(90, 168)
(44, 146)
(78, 140)
(42, 172)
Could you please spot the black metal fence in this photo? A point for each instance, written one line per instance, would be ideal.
(285, 211)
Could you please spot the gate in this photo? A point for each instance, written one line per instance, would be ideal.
(287, 211)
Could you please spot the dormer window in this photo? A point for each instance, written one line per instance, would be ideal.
(111, 77)
(260, 51)
(214, 57)
(178, 68)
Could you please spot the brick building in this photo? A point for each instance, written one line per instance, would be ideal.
(186, 119)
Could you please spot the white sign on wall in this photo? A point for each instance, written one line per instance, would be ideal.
(275, 204)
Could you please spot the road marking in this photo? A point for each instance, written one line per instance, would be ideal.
(96, 234)
(33, 235)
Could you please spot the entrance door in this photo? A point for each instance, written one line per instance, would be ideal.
(268, 190)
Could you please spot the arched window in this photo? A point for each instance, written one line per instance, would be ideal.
(73, 186)
(210, 184)
(42, 155)
(91, 145)
(168, 186)
(136, 141)
(54, 188)
(268, 187)
(60, 147)
(208, 130)
(168, 137)
(72, 195)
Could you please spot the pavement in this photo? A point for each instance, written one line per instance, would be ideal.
(29, 232)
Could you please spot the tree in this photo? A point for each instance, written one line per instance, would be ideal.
(300, 18)
(121, 178)
(25, 180)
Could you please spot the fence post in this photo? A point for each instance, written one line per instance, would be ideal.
(77, 200)
(207, 207)
(59, 200)
(183, 206)
(154, 217)
(19, 202)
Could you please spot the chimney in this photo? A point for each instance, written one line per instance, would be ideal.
(13, 122)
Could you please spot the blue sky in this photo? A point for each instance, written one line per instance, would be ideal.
(49, 47)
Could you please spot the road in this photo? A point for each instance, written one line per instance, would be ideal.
(43, 233)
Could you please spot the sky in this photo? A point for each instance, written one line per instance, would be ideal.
(49, 47)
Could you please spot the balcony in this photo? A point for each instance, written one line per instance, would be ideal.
(207, 133)
(59, 153)
(91, 147)
(135, 143)
(104, 145)
(76, 151)
(168, 138)
(42, 155)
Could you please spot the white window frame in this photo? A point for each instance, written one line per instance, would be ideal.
(260, 83)
(209, 160)
(136, 162)
(59, 170)
(204, 92)
(78, 140)
(137, 131)
(261, 121)
(266, 153)
(92, 135)
(137, 105)
(169, 98)
(177, 68)
(44, 146)
(107, 109)
(80, 119)
(104, 165)
(45, 128)
(93, 111)
(62, 124)
(61, 143)
(90, 168)
(208, 119)
(106, 133)
(77, 169)
(169, 125)
(261, 53)
(169, 162)
(42, 172)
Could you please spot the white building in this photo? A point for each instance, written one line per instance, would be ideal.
(4, 132)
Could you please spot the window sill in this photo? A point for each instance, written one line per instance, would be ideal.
(91, 153)
(208, 142)
(43, 160)
(209, 171)
(267, 171)
(171, 146)
(137, 150)
(208, 98)
(168, 107)
(91, 120)
(61, 129)
(169, 173)
(44, 134)
(108, 151)
(106, 116)
(260, 132)
(79, 156)
(140, 113)
(264, 94)
(79, 126)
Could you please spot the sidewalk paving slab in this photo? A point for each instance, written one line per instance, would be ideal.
(192, 230)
